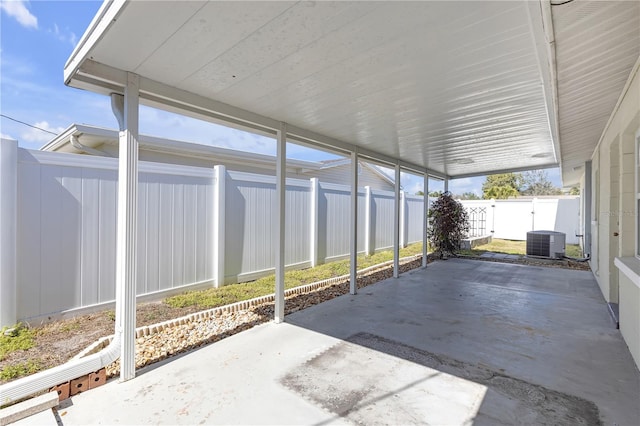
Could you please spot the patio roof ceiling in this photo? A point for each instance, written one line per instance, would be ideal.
(459, 88)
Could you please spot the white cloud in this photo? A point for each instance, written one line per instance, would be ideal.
(460, 186)
(5, 136)
(36, 135)
(17, 9)
(64, 35)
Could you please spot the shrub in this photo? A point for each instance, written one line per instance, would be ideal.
(448, 225)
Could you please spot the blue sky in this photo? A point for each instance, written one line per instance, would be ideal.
(37, 37)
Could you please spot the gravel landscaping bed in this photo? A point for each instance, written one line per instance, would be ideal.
(165, 331)
(176, 339)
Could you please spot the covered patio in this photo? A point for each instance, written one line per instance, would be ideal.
(460, 343)
(440, 89)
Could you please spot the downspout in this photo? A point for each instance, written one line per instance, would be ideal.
(73, 140)
(44, 380)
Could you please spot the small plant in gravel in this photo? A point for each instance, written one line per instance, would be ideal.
(10, 372)
(448, 225)
(15, 338)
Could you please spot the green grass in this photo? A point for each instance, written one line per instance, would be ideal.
(21, 338)
(213, 297)
(516, 247)
(10, 372)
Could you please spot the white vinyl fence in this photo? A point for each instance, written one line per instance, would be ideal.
(197, 227)
(512, 219)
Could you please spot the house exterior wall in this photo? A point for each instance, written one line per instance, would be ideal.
(342, 175)
(615, 213)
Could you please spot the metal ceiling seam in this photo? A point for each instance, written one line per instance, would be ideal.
(627, 85)
(501, 171)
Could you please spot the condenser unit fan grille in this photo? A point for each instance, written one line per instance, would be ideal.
(550, 244)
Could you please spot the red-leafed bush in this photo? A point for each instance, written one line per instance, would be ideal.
(448, 225)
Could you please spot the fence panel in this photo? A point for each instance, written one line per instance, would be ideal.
(334, 215)
(414, 218)
(382, 214)
(67, 207)
(512, 219)
(250, 232)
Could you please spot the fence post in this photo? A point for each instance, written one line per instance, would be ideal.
(8, 225)
(314, 208)
(367, 221)
(220, 174)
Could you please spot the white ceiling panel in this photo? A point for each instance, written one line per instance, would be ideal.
(456, 87)
(597, 44)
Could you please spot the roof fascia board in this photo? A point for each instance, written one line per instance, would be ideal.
(181, 148)
(497, 172)
(374, 169)
(176, 147)
(336, 163)
(60, 140)
(106, 16)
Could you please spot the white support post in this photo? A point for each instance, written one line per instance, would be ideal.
(396, 226)
(425, 220)
(403, 220)
(315, 201)
(281, 175)
(367, 221)
(8, 225)
(219, 208)
(446, 185)
(126, 237)
(353, 287)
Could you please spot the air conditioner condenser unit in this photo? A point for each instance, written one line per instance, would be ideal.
(549, 244)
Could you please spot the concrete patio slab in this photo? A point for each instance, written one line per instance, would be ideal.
(459, 342)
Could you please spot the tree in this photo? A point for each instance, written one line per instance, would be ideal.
(432, 194)
(467, 196)
(502, 185)
(448, 225)
(536, 182)
(574, 190)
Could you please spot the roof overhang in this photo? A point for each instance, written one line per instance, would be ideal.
(455, 88)
(90, 139)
